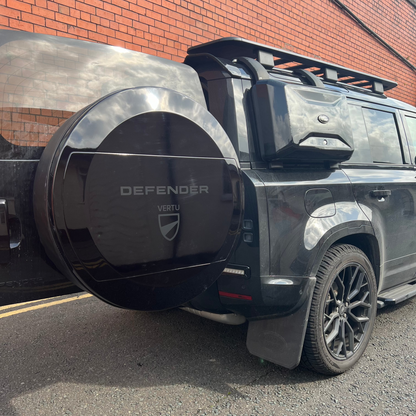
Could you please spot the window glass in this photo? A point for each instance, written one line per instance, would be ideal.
(383, 136)
(362, 152)
(411, 123)
(45, 80)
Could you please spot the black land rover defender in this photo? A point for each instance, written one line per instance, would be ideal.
(248, 183)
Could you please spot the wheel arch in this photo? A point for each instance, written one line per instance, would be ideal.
(365, 240)
(368, 244)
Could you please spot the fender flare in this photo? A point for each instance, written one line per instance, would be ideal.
(354, 228)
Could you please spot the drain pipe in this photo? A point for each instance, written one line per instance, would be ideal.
(354, 17)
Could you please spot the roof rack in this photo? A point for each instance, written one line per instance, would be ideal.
(269, 57)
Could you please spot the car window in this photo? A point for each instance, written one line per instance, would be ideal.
(383, 136)
(45, 80)
(411, 124)
(362, 151)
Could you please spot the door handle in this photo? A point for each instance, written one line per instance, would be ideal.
(380, 193)
(4, 233)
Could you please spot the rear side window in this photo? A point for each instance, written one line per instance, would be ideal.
(44, 80)
(411, 124)
(383, 136)
(362, 151)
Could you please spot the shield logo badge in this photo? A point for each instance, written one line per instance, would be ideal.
(169, 225)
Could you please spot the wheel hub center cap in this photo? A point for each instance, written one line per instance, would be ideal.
(341, 309)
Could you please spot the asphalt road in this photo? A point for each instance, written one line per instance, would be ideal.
(84, 357)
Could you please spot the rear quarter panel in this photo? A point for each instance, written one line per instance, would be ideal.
(298, 239)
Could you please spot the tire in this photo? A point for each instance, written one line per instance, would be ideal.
(343, 311)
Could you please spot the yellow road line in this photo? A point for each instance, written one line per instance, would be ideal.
(15, 305)
(44, 305)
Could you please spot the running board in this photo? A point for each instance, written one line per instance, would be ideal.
(396, 295)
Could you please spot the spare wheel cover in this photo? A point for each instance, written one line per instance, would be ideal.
(138, 198)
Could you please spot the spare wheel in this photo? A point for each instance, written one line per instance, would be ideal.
(138, 198)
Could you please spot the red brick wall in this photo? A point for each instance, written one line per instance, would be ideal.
(167, 28)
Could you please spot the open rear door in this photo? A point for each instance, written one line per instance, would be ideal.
(138, 195)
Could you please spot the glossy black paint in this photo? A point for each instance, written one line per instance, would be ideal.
(225, 85)
(112, 178)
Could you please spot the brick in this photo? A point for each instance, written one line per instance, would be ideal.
(56, 25)
(106, 31)
(52, 6)
(129, 14)
(97, 37)
(86, 25)
(116, 42)
(44, 30)
(45, 13)
(78, 31)
(6, 12)
(96, 3)
(105, 14)
(137, 9)
(63, 9)
(111, 8)
(140, 41)
(65, 19)
(27, 17)
(100, 21)
(66, 3)
(19, 5)
(85, 16)
(84, 7)
(123, 20)
(18, 24)
(121, 3)
(124, 36)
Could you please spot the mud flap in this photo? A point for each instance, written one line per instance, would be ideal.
(280, 340)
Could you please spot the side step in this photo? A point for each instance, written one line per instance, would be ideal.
(396, 295)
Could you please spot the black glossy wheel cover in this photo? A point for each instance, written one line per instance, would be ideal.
(138, 199)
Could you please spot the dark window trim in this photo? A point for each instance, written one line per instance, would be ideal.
(412, 149)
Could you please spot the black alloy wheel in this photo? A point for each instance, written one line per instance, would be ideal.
(343, 311)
